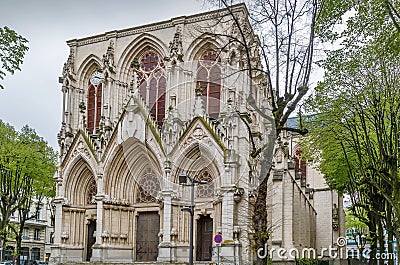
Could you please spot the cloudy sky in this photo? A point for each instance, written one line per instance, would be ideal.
(33, 96)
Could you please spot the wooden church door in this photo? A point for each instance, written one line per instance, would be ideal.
(148, 227)
(204, 238)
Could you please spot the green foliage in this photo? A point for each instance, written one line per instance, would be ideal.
(352, 221)
(355, 136)
(28, 149)
(12, 51)
(356, 21)
(27, 165)
(358, 98)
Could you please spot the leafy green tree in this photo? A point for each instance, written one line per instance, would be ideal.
(27, 165)
(368, 17)
(357, 132)
(358, 228)
(12, 51)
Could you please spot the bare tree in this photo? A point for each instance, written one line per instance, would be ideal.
(278, 55)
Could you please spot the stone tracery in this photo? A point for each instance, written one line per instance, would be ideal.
(148, 187)
(209, 79)
(205, 190)
(152, 83)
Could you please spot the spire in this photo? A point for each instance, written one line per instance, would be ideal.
(175, 47)
(68, 72)
(108, 58)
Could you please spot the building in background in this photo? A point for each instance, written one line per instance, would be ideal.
(305, 213)
(37, 235)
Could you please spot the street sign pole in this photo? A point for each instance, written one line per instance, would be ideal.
(218, 246)
(218, 241)
(182, 181)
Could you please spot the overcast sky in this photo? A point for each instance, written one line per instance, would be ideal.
(33, 95)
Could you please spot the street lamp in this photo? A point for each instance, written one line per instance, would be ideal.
(183, 181)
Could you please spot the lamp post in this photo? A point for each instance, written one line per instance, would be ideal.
(183, 181)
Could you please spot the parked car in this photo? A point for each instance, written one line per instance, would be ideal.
(6, 263)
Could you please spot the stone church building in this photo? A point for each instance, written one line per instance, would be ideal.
(144, 105)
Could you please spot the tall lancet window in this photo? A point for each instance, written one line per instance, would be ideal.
(94, 102)
(209, 79)
(300, 166)
(152, 82)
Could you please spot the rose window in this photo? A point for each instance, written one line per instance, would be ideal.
(205, 190)
(148, 187)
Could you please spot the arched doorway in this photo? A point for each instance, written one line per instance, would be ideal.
(91, 238)
(204, 238)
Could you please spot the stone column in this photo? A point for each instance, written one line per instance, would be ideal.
(276, 202)
(99, 221)
(167, 203)
(164, 248)
(97, 254)
(58, 220)
(227, 215)
(56, 248)
(227, 190)
(228, 207)
(287, 211)
(99, 215)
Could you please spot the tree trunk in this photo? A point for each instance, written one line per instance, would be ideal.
(372, 232)
(18, 241)
(381, 242)
(390, 233)
(260, 223)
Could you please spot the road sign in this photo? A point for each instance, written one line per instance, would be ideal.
(218, 238)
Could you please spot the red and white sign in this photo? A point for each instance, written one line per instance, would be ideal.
(218, 238)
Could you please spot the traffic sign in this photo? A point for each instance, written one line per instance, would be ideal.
(218, 238)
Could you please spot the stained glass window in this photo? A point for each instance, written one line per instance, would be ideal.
(152, 84)
(300, 166)
(148, 187)
(94, 102)
(209, 79)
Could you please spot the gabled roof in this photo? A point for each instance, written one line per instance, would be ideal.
(200, 123)
(80, 136)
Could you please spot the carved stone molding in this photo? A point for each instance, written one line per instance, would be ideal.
(197, 134)
(80, 149)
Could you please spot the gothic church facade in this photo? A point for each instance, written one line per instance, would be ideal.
(142, 106)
